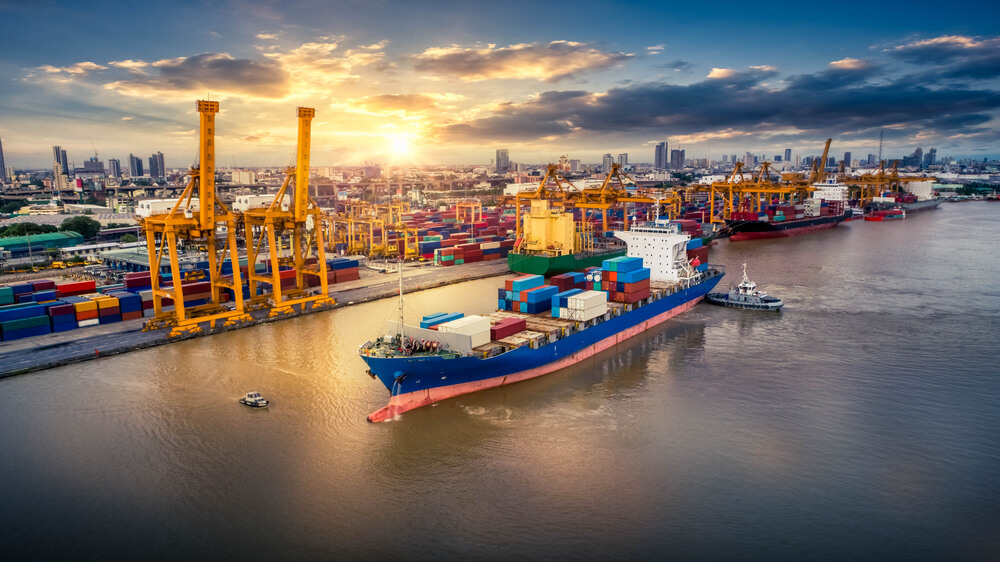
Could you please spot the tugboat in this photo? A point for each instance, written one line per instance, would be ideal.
(255, 400)
(745, 295)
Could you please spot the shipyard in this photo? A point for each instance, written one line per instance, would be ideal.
(554, 281)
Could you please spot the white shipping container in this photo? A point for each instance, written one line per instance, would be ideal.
(586, 299)
(467, 325)
(489, 245)
(86, 323)
(244, 203)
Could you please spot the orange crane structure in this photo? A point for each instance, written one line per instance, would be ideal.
(301, 224)
(204, 221)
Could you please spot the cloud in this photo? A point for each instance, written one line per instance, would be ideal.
(677, 65)
(80, 68)
(848, 63)
(549, 62)
(400, 102)
(655, 49)
(721, 73)
(218, 73)
(266, 36)
(733, 103)
(132, 65)
(952, 57)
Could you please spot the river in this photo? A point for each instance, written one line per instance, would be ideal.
(861, 422)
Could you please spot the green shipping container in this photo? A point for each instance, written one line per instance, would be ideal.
(24, 323)
(6, 295)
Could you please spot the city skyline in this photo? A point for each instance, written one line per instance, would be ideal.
(451, 82)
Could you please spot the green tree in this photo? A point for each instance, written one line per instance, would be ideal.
(13, 206)
(86, 226)
(128, 238)
(26, 228)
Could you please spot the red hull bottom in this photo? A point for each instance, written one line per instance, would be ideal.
(741, 236)
(410, 400)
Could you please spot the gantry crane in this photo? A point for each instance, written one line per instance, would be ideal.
(163, 233)
(266, 227)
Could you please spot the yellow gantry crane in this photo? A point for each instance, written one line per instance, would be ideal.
(184, 222)
(301, 224)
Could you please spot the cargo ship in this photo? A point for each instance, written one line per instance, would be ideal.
(778, 221)
(908, 203)
(552, 242)
(540, 328)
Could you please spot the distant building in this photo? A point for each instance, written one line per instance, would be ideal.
(564, 163)
(373, 171)
(777, 158)
(847, 158)
(831, 162)
(92, 169)
(503, 160)
(244, 177)
(160, 165)
(676, 159)
(154, 170)
(929, 160)
(661, 156)
(36, 244)
(59, 157)
(872, 159)
(134, 166)
(3, 167)
(788, 155)
(608, 161)
(623, 160)
(574, 165)
(114, 168)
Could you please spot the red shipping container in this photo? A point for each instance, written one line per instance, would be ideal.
(110, 311)
(637, 286)
(348, 275)
(43, 285)
(507, 327)
(62, 310)
(131, 315)
(76, 288)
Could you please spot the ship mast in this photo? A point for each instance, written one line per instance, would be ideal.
(399, 267)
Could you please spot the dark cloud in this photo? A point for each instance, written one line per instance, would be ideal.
(678, 65)
(537, 61)
(215, 72)
(834, 102)
(952, 57)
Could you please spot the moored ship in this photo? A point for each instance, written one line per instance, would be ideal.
(778, 221)
(883, 215)
(550, 329)
(552, 242)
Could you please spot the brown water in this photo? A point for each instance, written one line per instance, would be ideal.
(860, 422)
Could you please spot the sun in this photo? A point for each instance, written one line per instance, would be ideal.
(400, 145)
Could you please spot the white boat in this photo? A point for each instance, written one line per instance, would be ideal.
(254, 399)
(745, 295)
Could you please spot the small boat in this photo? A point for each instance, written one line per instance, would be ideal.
(255, 400)
(886, 215)
(745, 295)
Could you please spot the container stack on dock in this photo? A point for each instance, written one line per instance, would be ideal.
(625, 280)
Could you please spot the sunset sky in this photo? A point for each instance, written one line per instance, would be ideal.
(449, 82)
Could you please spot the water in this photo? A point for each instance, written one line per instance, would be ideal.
(860, 422)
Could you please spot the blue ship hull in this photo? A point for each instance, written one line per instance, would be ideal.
(416, 381)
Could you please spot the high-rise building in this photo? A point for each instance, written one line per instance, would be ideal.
(872, 159)
(3, 167)
(831, 162)
(608, 161)
(134, 166)
(160, 166)
(114, 168)
(788, 155)
(847, 159)
(503, 160)
(777, 158)
(929, 159)
(574, 165)
(676, 159)
(661, 158)
(59, 156)
(623, 160)
(154, 170)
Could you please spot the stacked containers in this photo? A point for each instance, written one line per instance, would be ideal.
(477, 328)
(76, 288)
(108, 310)
(23, 320)
(430, 321)
(6, 296)
(507, 327)
(585, 305)
(85, 309)
(129, 304)
(63, 317)
(625, 279)
(560, 302)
